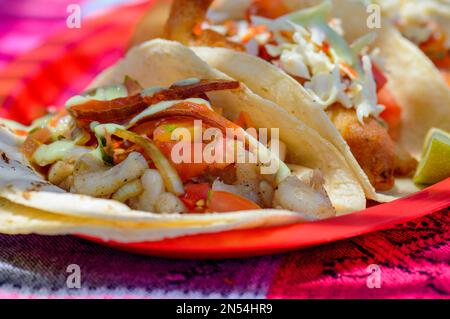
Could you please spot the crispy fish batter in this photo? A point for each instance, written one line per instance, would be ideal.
(378, 155)
(185, 16)
(370, 144)
(211, 38)
(184, 22)
(372, 147)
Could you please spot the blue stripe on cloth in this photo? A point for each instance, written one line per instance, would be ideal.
(35, 264)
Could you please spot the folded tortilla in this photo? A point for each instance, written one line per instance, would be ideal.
(19, 219)
(412, 78)
(156, 63)
(30, 204)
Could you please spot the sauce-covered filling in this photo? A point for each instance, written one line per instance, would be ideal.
(345, 80)
(118, 142)
(310, 47)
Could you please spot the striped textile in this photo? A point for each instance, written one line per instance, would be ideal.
(42, 66)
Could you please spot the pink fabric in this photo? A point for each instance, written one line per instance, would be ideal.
(18, 35)
(413, 259)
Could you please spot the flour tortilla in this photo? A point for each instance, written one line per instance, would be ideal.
(161, 62)
(413, 79)
(148, 64)
(29, 204)
(18, 219)
(425, 99)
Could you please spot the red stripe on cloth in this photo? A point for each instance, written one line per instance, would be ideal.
(51, 78)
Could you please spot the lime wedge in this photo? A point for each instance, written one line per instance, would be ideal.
(435, 163)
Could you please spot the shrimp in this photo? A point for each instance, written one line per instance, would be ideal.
(153, 187)
(168, 203)
(309, 200)
(155, 198)
(59, 171)
(246, 184)
(93, 178)
(185, 19)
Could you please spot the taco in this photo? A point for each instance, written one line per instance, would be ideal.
(323, 65)
(427, 25)
(109, 154)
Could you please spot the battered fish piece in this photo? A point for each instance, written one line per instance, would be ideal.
(184, 16)
(183, 25)
(213, 39)
(370, 143)
(376, 152)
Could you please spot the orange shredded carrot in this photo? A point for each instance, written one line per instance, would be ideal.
(287, 34)
(326, 48)
(20, 132)
(348, 70)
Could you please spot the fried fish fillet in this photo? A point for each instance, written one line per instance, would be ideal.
(377, 154)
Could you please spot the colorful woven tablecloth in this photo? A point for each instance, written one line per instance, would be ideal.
(410, 260)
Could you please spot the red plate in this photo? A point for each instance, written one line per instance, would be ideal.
(68, 61)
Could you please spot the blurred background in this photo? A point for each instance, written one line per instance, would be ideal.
(26, 24)
(52, 49)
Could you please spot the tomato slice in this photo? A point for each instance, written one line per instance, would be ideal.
(197, 191)
(189, 169)
(162, 137)
(195, 196)
(220, 201)
(186, 171)
(392, 113)
(163, 132)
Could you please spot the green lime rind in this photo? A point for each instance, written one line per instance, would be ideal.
(435, 163)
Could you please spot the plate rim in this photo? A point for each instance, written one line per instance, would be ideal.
(429, 200)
